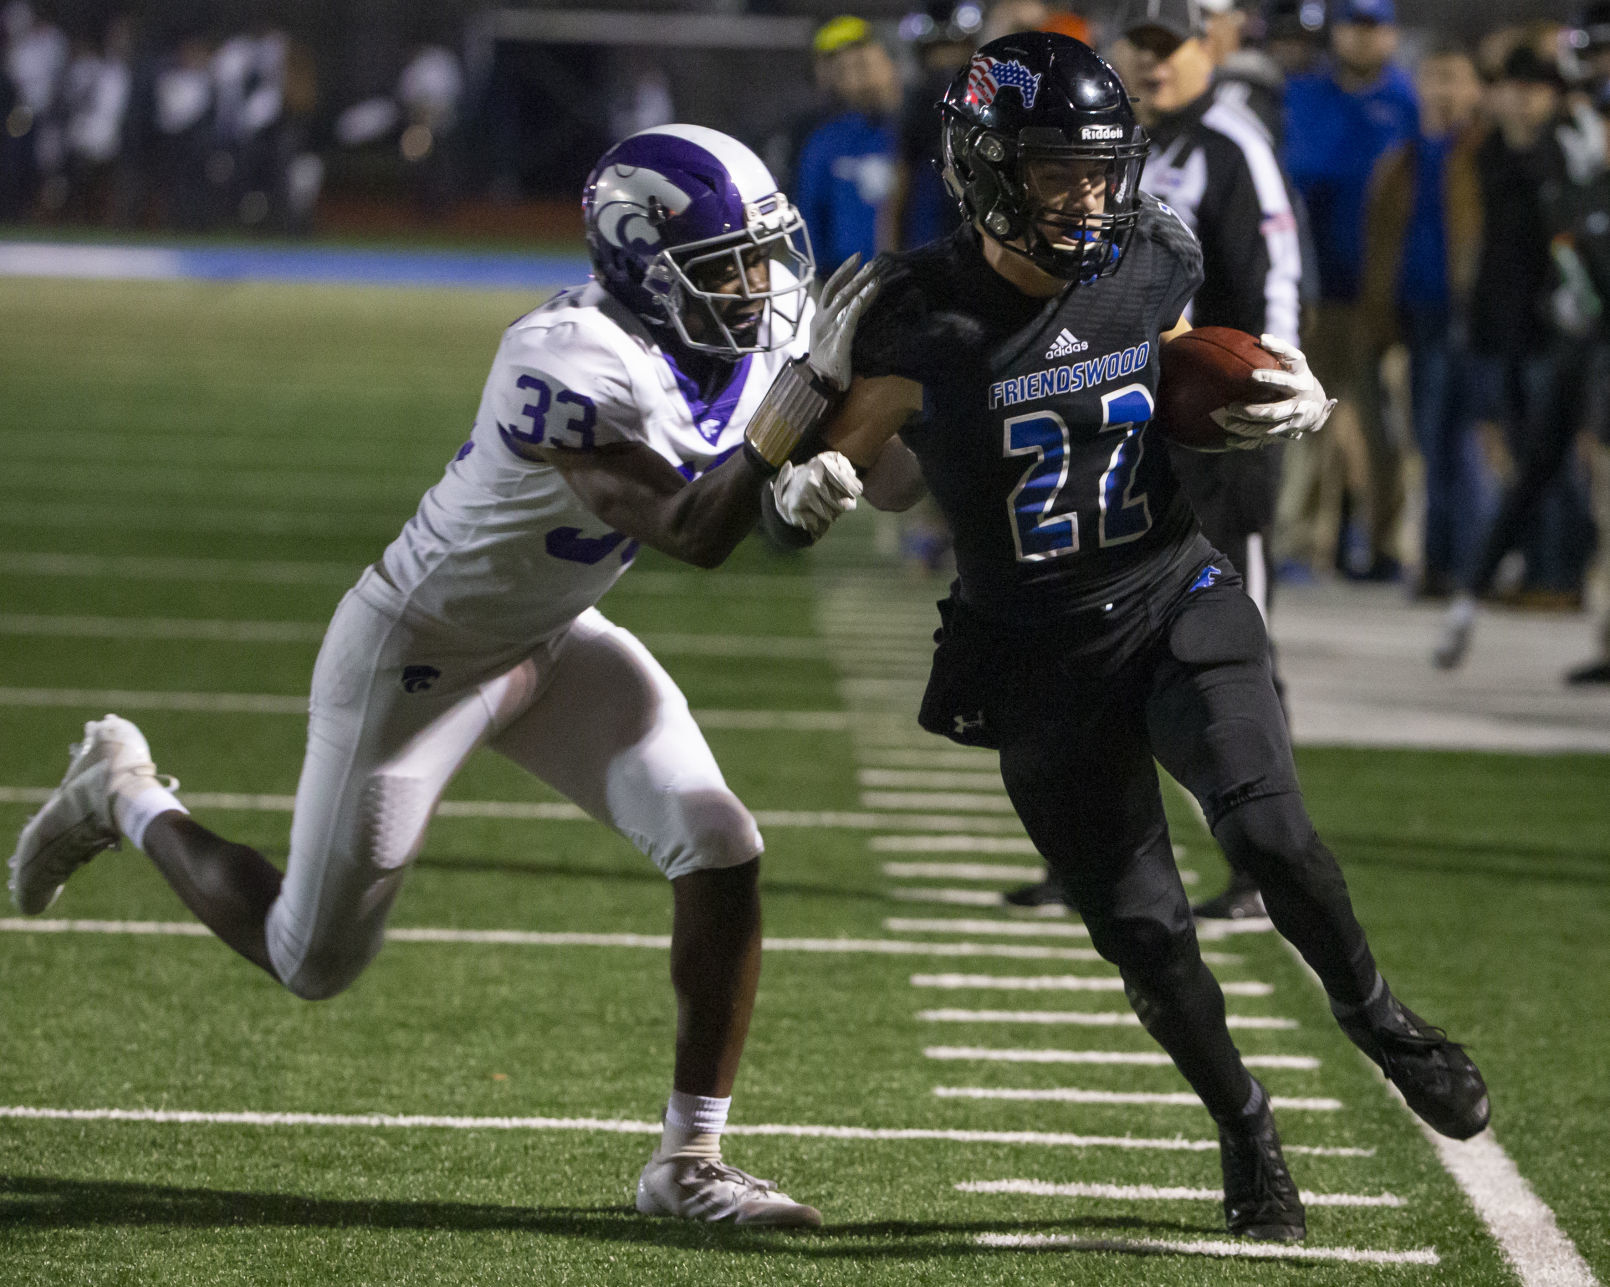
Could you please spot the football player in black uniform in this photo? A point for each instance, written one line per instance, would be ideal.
(1092, 628)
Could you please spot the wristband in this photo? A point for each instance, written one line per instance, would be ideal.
(797, 402)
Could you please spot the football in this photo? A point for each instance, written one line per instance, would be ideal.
(1203, 370)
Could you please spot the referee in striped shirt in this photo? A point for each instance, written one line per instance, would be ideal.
(1214, 162)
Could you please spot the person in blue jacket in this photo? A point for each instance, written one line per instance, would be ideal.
(1340, 119)
(846, 168)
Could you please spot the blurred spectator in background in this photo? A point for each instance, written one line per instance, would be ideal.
(184, 143)
(845, 173)
(1340, 119)
(1291, 32)
(99, 85)
(943, 35)
(1533, 319)
(1007, 16)
(31, 143)
(1244, 76)
(247, 162)
(1423, 232)
(1214, 164)
(429, 92)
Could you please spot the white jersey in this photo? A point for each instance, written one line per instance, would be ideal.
(501, 548)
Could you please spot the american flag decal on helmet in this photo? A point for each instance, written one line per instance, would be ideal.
(988, 76)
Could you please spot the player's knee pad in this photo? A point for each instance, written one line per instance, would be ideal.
(1269, 832)
(1146, 950)
(331, 969)
(702, 830)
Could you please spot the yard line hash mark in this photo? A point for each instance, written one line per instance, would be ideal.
(1161, 1193)
(409, 1121)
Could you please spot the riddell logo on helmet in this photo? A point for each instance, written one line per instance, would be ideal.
(1101, 132)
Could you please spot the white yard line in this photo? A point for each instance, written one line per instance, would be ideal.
(960, 871)
(930, 779)
(542, 811)
(1072, 1095)
(952, 844)
(980, 925)
(949, 897)
(1141, 1058)
(566, 938)
(1213, 1250)
(779, 647)
(938, 800)
(1059, 983)
(413, 1121)
(1160, 1193)
(1090, 1018)
(942, 756)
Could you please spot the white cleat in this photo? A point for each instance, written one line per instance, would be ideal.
(705, 1188)
(1453, 641)
(76, 822)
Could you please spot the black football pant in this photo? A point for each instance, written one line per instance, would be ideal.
(1077, 757)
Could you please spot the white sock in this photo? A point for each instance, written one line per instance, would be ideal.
(133, 814)
(1462, 611)
(693, 1124)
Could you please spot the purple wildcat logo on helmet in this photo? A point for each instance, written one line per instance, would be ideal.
(677, 217)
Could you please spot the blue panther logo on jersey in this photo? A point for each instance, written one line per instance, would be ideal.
(988, 76)
(1206, 577)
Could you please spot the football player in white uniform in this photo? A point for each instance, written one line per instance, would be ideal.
(657, 405)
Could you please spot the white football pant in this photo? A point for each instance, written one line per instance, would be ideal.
(395, 712)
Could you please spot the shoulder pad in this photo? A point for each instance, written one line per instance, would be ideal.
(907, 331)
(1159, 224)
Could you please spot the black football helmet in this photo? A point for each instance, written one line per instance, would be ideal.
(1025, 103)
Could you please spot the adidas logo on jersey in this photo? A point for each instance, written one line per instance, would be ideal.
(1067, 343)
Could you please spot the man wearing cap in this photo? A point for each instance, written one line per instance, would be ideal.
(1243, 75)
(1339, 120)
(846, 167)
(1213, 162)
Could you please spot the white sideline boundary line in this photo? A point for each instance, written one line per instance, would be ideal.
(566, 938)
(1165, 1098)
(1213, 1250)
(1090, 1018)
(1161, 1193)
(1059, 983)
(395, 1121)
(1528, 1235)
(1139, 1058)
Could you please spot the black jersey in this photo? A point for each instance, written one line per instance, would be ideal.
(1034, 433)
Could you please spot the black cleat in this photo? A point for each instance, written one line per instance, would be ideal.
(1438, 1079)
(1040, 894)
(1240, 901)
(1260, 1200)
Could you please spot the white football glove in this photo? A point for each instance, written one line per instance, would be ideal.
(812, 495)
(845, 297)
(1253, 424)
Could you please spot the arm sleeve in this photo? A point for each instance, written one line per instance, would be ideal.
(560, 388)
(1159, 223)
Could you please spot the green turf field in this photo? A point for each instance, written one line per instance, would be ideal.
(214, 464)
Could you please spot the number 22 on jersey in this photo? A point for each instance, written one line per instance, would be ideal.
(1043, 524)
